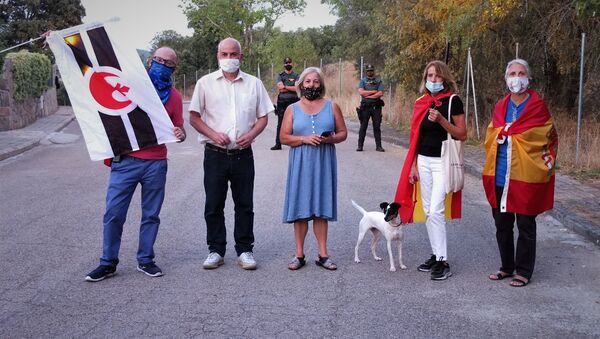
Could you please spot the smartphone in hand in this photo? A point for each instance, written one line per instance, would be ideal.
(326, 134)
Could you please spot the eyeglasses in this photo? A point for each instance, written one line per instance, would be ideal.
(168, 63)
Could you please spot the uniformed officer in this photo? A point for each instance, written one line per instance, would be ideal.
(286, 85)
(370, 89)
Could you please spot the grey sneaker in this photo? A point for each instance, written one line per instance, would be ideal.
(213, 260)
(246, 260)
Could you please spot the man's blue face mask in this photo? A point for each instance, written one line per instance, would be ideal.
(161, 78)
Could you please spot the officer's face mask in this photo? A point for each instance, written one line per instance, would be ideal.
(288, 67)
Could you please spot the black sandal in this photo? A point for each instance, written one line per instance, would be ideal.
(296, 263)
(519, 281)
(499, 276)
(326, 263)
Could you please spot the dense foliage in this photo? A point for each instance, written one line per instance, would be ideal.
(25, 19)
(408, 34)
(31, 74)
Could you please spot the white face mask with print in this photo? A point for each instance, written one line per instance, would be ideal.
(517, 84)
(229, 65)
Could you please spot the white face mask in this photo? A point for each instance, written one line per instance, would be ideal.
(517, 84)
(229, 65)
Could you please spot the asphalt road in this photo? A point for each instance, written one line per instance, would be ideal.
(52, 201)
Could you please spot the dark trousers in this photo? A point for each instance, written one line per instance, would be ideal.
(366, 113)
(282, 105)
(279, 120)
(524, 260)
(220, 170)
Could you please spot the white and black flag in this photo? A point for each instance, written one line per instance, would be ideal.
(112, 96)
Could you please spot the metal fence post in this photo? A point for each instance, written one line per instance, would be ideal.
(362, 65)
(580, 99)
(340, 79)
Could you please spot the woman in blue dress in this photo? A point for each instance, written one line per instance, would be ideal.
(311, 127)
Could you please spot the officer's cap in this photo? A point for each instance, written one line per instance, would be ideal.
(369, 67)
(287, 60)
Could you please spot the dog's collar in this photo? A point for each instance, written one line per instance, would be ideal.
(393, 224)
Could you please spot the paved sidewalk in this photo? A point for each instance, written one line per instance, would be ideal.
(20, 140)
(576, 206)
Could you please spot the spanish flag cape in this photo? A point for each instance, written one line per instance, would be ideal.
(407, 194)
(532, 144)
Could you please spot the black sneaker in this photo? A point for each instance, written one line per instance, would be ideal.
(380, 149)
(427, 265)
(150, 269)
(100, 273)
(440, 271)
(276, 147)
(359, 149)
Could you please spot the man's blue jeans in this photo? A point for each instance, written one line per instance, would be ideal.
(124, 178)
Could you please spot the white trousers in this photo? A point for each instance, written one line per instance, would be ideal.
(433, 195)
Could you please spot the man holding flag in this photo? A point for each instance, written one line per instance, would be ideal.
(147, 167)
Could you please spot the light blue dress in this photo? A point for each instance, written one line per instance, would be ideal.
(311, 189)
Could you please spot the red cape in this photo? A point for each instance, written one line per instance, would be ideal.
(405, 192)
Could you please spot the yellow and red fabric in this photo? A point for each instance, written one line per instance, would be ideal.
(407, 194)
(532, 147)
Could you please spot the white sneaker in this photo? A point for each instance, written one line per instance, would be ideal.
(213, 260)
(246, 260)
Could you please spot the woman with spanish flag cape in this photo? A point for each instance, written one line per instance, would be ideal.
(518, 175)
(421, 190)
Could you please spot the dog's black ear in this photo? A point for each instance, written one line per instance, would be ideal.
(383, 206)
(395, 205)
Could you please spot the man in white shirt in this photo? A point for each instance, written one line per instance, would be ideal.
(229, 109)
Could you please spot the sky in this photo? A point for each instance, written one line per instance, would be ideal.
(141, 20)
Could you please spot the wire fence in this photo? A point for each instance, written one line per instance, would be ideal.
(341, 80)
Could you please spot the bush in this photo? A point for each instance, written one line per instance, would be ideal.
(31, 72)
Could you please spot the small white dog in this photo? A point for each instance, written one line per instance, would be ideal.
(387, 223)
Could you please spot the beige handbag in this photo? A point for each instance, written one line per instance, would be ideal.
(453, 161)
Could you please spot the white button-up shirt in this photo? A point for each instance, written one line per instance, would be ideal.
(230, 107)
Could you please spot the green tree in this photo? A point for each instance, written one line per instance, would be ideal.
(238, 18)
(26, 19)
(296, 45)
(357, 29)
(324, 39)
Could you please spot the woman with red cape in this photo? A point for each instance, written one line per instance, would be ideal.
(421, 190)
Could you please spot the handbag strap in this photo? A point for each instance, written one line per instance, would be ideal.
(450, 112)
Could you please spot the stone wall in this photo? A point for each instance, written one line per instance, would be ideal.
(15, 115)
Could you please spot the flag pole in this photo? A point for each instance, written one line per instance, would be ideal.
(114, 19)
(21, 44)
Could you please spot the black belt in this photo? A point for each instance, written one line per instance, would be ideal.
(228, 151)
